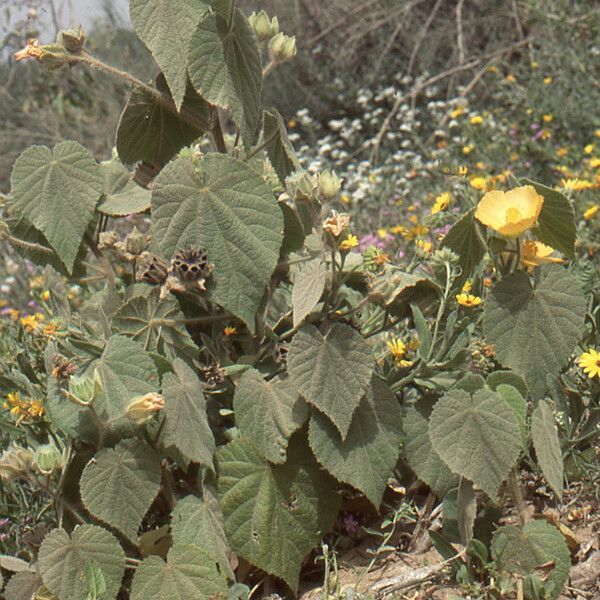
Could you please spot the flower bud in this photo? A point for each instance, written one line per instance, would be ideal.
(46, 459)
(282, 47)
(72, 39)
(52, 56)
(84, 390)
(264, 27)
(301, 185)
(135, 242)
(14, 462)
(329, 184)
(141, 408)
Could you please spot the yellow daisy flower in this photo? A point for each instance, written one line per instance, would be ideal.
(350, 242)
(590, 363)
(468, 300)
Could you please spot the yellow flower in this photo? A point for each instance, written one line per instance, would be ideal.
(545, 134)
(510, 78)
(229, 330)
(382, 233)
(416, 231)
(24, 410)
(576, 185)
(535, 253)
(480, 165)
(30, 323)
(51, 329)
(350, 242)
(292, 124)
(462, 171)
(589, 149)
(468, 300)
(468, 149)
(590, 363)
(32, 50)
(398, 230)
(488, 282)
(548, 80)
(425, 246)
(591, 212)
(405, 363)
(36, 282)
(547, 118)
(479, 183)
(381, 259)
(476, 120)
(510, 213)
(562, 152)
(535, 64)
(441, 203)
(397, 348)
(459, 110)
(141, 408)
(345, 198)
(13, 313)
(467, 287)
(45, 295)
(595, 162)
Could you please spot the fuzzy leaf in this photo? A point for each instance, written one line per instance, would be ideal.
(199, 521)
(477, 436)
(466, 510)
(522, 550)
(121, 195)
(222, 205)
(534, 329)
(514, 399)
(421, 456)
(57, 191)
(268, 413)
(166, 27)
(156, 324)
(119, 485)
(464, 240)
(332, 372)
(274, 514)
(22, 586)
(308, 288)
(148, 131)
(225, 69)
(366, 457)
(279, 148)
(498, 378)
(547, 446)
(186, 424)
(123, 378)
(62, 561)
(189, 572)
(556, 224)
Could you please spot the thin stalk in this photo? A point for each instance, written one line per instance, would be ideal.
(441, 310)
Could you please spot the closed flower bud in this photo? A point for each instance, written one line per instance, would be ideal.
(84, 390)
(264, 27)
(14, 462)
(72, 39)
(135, 242)
(46, 459)
(52, 56)
(301, 185)
(142, 408)
(329, 184)
(282, 47)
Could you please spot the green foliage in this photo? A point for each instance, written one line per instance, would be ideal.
(57, 190)
(547, 446)
(477, 436)
(119, 484)
(535, 326)
(279, 149)
(308, 289)
(120, 195)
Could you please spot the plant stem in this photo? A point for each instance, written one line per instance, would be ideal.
(441, 310)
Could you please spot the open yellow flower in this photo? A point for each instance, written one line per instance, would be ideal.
(591, 212)
(535, 253)
(510, 213)
(590, 363)
(468, 300)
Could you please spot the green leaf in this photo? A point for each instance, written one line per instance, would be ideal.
(547, 446)
(279, 148)
(274, 514)
(421, 456)
(514, 399)
(199, 521)
(534, 329)
(268, 412)
(189, 572)
(57, 191)
(366, 458)
(308, 288)
(467, 510)
(119, 485)
(222, 205)
(22, 586)
(464, 239)
(149, 131)
(166, 27)
(156, 324)
(422, 328)
(332, 372)
(509, 378)
(556, 223)
(477, 436)
(123, 378)
(121, 195)
(521, 550)
(186, 423)
(225, 69)
(62, 561)
(96, 584)
(293, 230)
